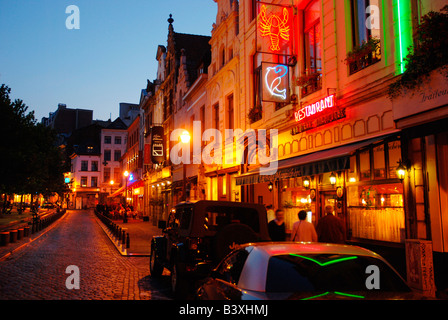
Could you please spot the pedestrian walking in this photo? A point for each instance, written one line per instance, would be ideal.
(330, 228)
(303, 230)
(276, 227)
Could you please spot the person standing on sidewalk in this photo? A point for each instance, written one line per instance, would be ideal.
(276, 227)
(330, 228)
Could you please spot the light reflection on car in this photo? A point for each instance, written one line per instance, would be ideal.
(283, 270)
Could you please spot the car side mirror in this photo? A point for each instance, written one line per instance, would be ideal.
(204, 269)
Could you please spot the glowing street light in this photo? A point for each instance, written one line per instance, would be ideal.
(185, 138)
(126, 174)
(332, 179)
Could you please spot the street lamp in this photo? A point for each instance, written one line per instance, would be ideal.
(401, 171)
(184, 138)
(332, 179)
(126, 174)
(306, 182)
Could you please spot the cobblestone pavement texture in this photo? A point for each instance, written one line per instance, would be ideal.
(38, 270)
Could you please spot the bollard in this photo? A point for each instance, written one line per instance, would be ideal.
(13, 236)
(20, 234)
(128, 241)
(4, 238)
(26, 231)
(123, 237)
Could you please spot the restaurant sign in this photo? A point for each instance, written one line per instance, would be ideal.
(317, 114)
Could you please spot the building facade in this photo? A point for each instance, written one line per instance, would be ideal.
(306, 83)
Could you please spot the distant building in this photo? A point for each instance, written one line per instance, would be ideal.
(85, 177)
(128, 112)
(65, 120)
(113, 147)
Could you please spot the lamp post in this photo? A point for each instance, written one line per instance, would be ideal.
(184, 138)
(126, 174)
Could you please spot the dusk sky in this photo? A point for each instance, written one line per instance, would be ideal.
(104, 62)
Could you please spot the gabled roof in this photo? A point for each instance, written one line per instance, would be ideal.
(118, 124)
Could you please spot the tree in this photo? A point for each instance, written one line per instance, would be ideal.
(30, 161)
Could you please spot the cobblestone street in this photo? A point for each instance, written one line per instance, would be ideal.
(38, 270)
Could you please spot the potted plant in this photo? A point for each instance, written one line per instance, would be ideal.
(429, 53)
(363, 50)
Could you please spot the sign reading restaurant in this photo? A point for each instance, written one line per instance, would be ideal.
(317, 114)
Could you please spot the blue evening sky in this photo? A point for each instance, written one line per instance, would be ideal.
(105, 62)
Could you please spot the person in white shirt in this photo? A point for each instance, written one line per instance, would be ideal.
(303, 230)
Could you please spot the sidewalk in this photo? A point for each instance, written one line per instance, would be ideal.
(14, 221)
(140, 235)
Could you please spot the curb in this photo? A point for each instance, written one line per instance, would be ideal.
(120, 246)
(19, 245)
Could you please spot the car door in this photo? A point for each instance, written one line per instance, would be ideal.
(223, 284)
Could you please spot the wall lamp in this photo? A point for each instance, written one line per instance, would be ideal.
(332, 179)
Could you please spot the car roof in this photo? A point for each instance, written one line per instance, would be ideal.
(255, 278)
(276, 248)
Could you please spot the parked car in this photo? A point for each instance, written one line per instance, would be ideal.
(292, 270)
(199, 234)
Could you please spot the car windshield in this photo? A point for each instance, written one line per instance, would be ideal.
(217, 217)
(330, 273)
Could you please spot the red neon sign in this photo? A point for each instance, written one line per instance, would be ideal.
(315, 108)
(275, 26)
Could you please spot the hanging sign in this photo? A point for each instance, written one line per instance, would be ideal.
(275, 82)
(157, 143)
(274, 28)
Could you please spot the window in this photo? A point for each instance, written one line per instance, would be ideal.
(94, 182)
(117, 174)
(117, 155)
(231, 268)
(107, 139)
(230, 114)
(216, 116)
(311, 79)
(106, 174)
(257, 81)
(117, 140)
(106, 155)
(363, 24)
(83, 181)
(375, 203)
(94, 166)
(328, 274)
(312, 34)
(84, 165)
(365, 49)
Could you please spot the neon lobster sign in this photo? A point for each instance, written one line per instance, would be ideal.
(275, 26)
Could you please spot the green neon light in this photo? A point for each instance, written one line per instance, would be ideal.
(404, 37)
(325, 263)
(349, 295)
(335, 292)
(400, 40)
(316, 296)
